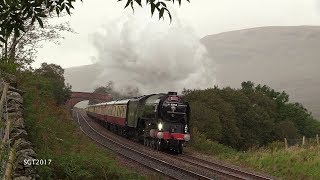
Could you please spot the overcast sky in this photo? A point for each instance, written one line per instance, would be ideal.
(203, 16)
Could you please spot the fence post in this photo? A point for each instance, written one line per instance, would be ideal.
(3, 97)
(9, 166)
(285, 143)
(303, 140)
(317, 137)
(3, 100)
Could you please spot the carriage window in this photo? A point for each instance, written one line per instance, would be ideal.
(117, 111)
(121, 111)
(111, 110)
(124, 111)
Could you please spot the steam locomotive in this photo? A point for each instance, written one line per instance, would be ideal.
(160, 121)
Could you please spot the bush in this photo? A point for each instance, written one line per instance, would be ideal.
(56, 136)
(252, 116)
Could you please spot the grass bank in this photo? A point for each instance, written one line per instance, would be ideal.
(55, 136)
(293, 163)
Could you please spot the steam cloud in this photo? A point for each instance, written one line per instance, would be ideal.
(139, 51)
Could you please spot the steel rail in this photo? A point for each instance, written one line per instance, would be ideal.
(102, 144)
(184, 171)
(217, 168)
(236, 173)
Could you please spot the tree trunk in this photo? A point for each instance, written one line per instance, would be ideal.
(12, 51)
(6, 50)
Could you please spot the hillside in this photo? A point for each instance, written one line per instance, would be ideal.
(284, 58)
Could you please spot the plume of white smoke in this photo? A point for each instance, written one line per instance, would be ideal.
(155, 56)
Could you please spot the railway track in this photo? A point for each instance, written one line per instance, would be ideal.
(200, 169)
(226, 171)
(163, 167)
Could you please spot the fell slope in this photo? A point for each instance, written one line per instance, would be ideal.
(285, 58)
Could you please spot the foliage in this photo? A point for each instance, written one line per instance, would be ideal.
(17, 15)
(22, 50)
(55, 136)
(160, 6)
(8, 66)
(52, 81)
(200, 143)
(248, 117)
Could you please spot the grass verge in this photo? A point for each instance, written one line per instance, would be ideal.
(74, 156)
(293, 163)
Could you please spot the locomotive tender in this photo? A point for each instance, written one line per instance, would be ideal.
(160, 121)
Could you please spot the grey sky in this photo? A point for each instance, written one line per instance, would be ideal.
(204, 16)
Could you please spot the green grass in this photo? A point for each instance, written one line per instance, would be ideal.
(293, 163)
(74, 156)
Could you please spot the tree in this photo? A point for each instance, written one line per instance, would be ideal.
(286, 129)
(17, 15)
(54, 79)
(22, 51)
(248, 117)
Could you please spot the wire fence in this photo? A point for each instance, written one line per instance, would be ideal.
(302, 142)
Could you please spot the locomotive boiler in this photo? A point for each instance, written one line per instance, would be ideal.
(160, 121)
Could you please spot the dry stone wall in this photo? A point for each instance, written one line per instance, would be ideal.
(15, 148)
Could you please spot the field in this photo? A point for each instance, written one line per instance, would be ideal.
(292, 163)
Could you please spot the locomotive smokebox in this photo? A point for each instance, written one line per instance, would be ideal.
(172, 93)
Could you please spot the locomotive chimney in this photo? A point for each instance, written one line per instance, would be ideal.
(172, 93)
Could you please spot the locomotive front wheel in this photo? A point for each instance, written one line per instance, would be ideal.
(145, 141)
(180, 148)
(158, 145)
(151, 144)
(154, 143)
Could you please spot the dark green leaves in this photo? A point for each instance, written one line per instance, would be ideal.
(40, 21)
(160, 6)
(1, 39)
(15, 13)
(248, 117)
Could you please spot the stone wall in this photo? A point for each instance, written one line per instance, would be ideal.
(20, 149)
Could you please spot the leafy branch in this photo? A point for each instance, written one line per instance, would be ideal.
(158, 5)
(17, 15)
